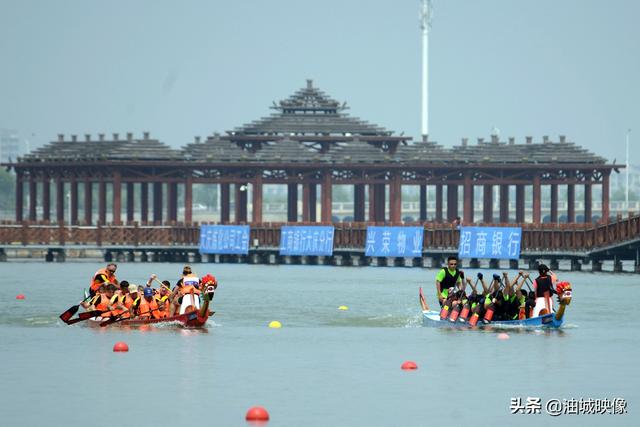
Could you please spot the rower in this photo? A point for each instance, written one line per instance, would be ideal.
(162, 298)
(148, 307)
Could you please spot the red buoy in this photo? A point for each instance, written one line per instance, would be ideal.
(409, 365)
(20, 296)
(121, 346)
(257, 413)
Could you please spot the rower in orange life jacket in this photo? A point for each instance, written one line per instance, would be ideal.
(148, 307)
(162, 298)
(102, 301)
(103, 276)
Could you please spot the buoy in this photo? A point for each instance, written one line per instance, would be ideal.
(121, 346)
(409, 365)
(20, 296)
(503, 336)
(257, 413)
(275, 324)
(343, 307)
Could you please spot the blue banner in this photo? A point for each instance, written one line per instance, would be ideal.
(394, 241)
(306, 240)
(224, 239)
(490, 242)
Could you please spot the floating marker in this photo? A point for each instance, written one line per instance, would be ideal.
(409, 365)
(343, 307)
(20, 296)
(275, 324)
(121, 347)
(503, 336)
(257, 413)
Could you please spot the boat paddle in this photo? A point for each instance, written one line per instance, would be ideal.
(71, 311)
(86, 315)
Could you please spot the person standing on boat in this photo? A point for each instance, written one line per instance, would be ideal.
(543, 288)
(448, 277)
(102, 277)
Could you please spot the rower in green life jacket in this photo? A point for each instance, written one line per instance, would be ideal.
(448, 277)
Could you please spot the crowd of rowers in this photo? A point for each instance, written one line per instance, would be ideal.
(126, 300)
(503, 299)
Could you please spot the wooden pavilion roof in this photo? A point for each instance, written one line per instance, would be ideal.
(310, 127)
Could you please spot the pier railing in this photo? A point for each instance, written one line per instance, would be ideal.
(536, 237)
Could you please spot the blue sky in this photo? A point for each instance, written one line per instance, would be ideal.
(180, 69)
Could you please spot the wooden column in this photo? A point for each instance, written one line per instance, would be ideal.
(395, 199)
(554, 203)
(487, 204)
(241, 203)
(172, 201)
(130, 201)
(588, 196)
(439, 203)
(504, 203)
(257, 198)
(19, 196)
(571, 203)
(88, 201)
(59, 200)
(292, 202)
(423, 203)
(117, 198)
(306, 208)
(468, 200)
(188, 200)
(605, 196)
(46, 198)
(519, 203)
(144, 202)
(358, 202)
(74, 200)
(326, 197)
(452, 201)
(537, 200)
(102, 201)
(33, 197)
(225, 202)
(157, 203)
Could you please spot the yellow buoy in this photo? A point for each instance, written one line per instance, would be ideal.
(275, 324)
(343, 307)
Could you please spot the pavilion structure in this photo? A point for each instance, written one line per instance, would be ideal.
(308, 143)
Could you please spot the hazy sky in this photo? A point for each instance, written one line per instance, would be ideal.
(179, 69)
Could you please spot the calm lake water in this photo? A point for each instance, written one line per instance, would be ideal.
(325, 367)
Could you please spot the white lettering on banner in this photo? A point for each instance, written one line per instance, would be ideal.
(386, 241)
(465, 243)
(496, 243)
(481, 243)
(329, 246)
(401, 242)
(514, 244)
(371, 241)
(315, 241)
(417, 242)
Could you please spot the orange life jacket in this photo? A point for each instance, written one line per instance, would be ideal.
(98, 278)
(148, 309)
(164, 312)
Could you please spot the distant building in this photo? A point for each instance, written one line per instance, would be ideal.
(11, 146)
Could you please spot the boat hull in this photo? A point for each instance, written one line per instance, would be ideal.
(188, 320)
(432, 318)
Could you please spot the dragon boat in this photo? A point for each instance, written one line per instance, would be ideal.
(544, 320)
(190, 315)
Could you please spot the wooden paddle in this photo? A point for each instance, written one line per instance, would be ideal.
(71, 311)
(85, 316)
